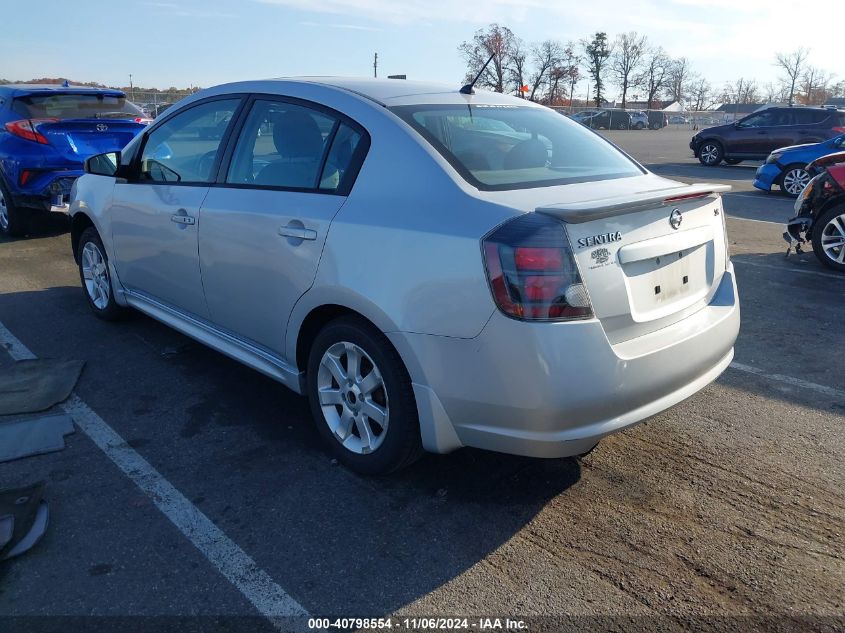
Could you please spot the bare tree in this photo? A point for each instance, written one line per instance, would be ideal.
(773, 93)
(792, 64)
(679, 72)
(837, 90)
(596, 52)
(700, 91)
(546, 56)
(742, 91)
(655, 74)
(518, 65)
(571, 71)
(814, 85)
(495, 39)
(628, 53)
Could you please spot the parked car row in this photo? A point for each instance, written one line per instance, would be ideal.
(617, 119)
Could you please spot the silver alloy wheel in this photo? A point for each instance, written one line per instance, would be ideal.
(709, 153)
(353, 397)
(795, 180)
(833, 239)
(4, 213)
(95, 274)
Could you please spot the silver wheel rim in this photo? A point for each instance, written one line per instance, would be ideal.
(353, 398)
(795, 180)
(833, 239)
(709, 153)
(95, 275)
(4, 213)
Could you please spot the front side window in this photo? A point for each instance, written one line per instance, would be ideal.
(764, 119)
(500, 147)
(184, 149)
(284, 145)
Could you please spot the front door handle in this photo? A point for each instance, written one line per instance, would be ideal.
(182, 218)
(298, 232)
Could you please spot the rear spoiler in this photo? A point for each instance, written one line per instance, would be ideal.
(578, 212)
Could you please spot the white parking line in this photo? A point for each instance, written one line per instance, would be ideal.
(789, 380)
(789, 269)
(736, 217)
(230, 560)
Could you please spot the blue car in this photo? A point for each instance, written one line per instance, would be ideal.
(46, 133)
(787, 166)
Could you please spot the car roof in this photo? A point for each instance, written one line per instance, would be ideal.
(387, 92)
(18, 90)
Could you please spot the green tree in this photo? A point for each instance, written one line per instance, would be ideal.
(596, 52)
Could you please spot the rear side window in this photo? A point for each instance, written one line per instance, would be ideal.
(810, 117)
(292, 146)
(75, 106)
(501, 147)
(184, 148)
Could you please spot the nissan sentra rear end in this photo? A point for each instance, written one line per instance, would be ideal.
(614, 292)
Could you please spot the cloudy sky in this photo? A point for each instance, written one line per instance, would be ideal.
(205, 42)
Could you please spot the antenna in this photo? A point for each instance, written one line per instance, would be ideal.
(375, 65)
(467, 90)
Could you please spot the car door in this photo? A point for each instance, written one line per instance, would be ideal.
(750, 135)
(155, 213)
(265, 223)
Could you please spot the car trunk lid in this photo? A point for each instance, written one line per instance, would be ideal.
(648, 258)
(77, 139)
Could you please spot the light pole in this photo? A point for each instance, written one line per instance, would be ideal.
(131, 87)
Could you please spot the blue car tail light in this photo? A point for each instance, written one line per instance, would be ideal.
(27, 129)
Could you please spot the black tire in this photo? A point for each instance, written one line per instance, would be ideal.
(830, 224)
(793, 179)
(401, 444)
(621, 126)
(13, 221)
(639, 126)
(733, 161)
(107, 309)
(710, 153)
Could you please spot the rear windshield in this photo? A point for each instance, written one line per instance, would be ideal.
(75, 106)
(500, 147)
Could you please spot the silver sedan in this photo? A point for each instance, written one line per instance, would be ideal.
(432, 269)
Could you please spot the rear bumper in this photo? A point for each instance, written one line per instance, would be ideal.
(766, 176)
(555, 389)
(48, 191)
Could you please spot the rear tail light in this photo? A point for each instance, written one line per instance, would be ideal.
(839, 129)
(28, 129)
(25, 176)
(532, 273)
(144, 120)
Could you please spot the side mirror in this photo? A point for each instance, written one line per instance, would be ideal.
(103, 164)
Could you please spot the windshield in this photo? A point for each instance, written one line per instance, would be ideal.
(75, 106)
(500, 147)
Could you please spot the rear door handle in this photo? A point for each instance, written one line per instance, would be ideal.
(298, 232)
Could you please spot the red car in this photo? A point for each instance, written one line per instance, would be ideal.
(820, 211)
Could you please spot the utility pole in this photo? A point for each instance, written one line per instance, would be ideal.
(131, 87)
(375, 65)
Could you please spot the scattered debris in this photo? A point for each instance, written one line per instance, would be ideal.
(28, 436)
(35, 385)
(24, 516)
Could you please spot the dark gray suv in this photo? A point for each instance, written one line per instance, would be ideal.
(758, 134)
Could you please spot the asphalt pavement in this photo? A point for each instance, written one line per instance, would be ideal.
(214, 503)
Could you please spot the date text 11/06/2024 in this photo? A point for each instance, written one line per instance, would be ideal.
(420, 623)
